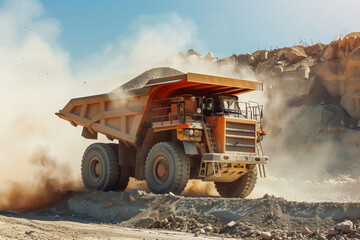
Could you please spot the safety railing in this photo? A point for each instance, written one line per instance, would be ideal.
(177, 110)
(249, 110)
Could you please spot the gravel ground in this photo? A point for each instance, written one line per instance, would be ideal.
(267, 217)
(141, 215)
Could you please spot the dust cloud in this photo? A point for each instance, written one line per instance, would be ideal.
(136, 184)
(306, 164)
(40, 155)
(193, 187)
(49, 184)
(200, 188)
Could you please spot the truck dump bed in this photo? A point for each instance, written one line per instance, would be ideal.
(121, 114)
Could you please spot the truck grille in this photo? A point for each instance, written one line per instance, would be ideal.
(240, 137)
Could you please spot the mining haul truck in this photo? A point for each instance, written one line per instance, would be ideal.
(172, 129)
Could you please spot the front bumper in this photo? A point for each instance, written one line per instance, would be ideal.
(234, 158)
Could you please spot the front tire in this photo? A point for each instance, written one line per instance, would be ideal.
(240, 188)
(167, 168)
(100, 168)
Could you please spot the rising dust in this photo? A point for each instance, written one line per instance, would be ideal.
(50, 184)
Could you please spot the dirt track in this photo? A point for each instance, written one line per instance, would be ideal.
(138, 215)
(40, 226)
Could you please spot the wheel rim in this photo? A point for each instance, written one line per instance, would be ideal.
(95, 169)
(161, 170)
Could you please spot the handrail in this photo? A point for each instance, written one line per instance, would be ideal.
(163, 110)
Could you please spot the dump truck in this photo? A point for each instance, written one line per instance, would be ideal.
(189, 126)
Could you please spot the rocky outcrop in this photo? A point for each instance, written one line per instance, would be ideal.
(336, 66)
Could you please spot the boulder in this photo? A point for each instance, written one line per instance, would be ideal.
(303, 72)
(354, 58)
(353, 34)
(265, 235)
(330, 51)
(276, 236)
(264, 56)
(209, 57)
(229, 60)
(345, 226)
(354, 234)
(174, 196)
(354, 42)
(305, 231)
(315, 50)
(295, 54)
(191, 52)
(230, 224)
(306, 87)
(208, 228)
(333, 232)
(149, 197)
(170, 218)
(137, 193)
(350, 99)
(331, 76)
(276, 70)
(250, 58)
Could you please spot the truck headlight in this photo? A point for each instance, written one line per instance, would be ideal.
(196, 133)
(191, 132)
(198, 110)
(187, 132)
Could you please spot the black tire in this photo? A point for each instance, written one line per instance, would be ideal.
(240, 188)
(124, 177)
(124, 172)
(170, 159)
(100, 168)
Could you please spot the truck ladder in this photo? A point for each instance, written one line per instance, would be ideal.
(261, 167)
(210, 139)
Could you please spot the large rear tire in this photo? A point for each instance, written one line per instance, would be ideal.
(100, 168)
(167, 168)
(124, 172)
(240, 188)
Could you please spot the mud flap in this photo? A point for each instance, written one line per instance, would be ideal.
(190, 148)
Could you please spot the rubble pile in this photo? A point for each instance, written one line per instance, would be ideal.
(267, 218)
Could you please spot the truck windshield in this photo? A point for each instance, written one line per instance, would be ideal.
(230, 106)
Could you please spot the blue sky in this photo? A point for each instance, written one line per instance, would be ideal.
(104, 39)
(223, 27)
